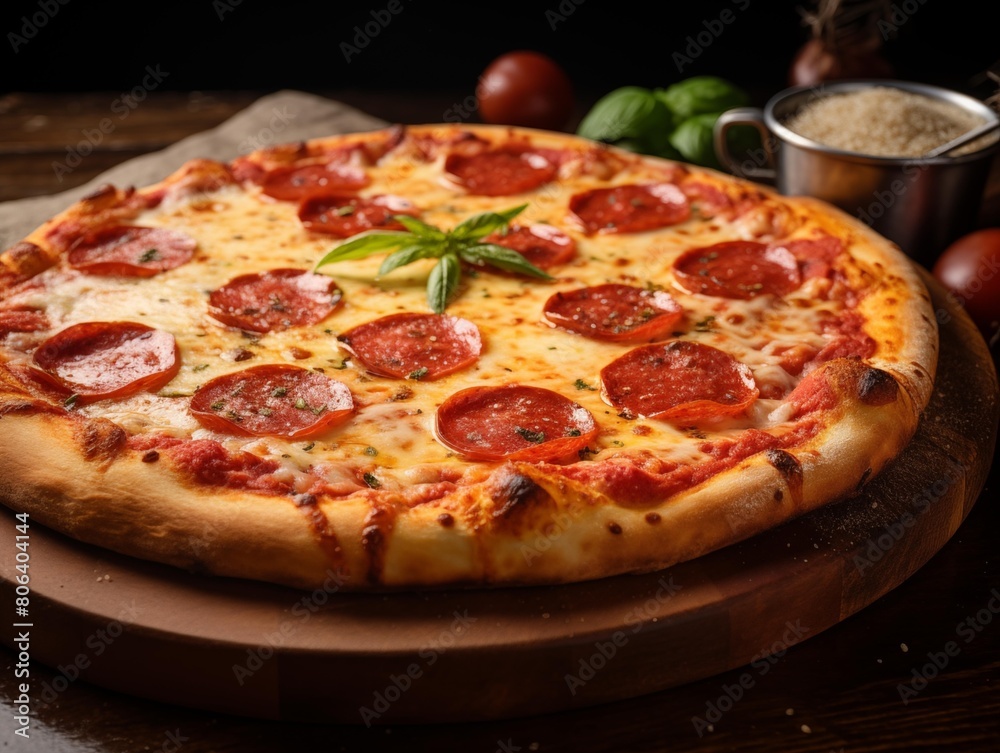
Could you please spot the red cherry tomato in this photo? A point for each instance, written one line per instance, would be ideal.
(525, 89)
(970, 268)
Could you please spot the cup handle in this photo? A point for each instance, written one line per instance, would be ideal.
(751, 116)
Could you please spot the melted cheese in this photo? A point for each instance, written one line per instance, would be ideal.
(392, 434)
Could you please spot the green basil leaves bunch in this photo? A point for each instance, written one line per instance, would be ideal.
(674, 123)
(463, 243)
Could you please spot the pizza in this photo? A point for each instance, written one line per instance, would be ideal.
(449, 355)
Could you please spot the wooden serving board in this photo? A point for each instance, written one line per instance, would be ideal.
(462, 655)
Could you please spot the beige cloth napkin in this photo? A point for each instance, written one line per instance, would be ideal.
(273, 119)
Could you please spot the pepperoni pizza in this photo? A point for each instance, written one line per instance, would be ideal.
(695, 359)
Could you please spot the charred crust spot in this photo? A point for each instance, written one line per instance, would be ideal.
(614, 528)
(378, 525)
(326, 537)
(653, 518)
(864, 478)
(778, 495)
(511, 491)
(877, 387)
(101, 439)
(373, 542)
(784, 462)
(372, 539)
(150, 456)
(446, 520)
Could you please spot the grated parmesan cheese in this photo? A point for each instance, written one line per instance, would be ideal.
(886, 122)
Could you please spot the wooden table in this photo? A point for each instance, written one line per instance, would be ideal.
(836, 691)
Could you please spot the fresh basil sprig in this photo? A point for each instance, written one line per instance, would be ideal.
(450, 247)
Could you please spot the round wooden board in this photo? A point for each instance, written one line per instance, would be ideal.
(462, 655)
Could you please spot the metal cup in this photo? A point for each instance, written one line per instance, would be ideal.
(920, 204)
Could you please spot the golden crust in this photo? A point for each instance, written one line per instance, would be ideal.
(510, 523)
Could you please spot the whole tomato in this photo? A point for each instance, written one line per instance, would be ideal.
(525, 88)
(970, 269)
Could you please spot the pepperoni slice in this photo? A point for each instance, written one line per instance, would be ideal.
(274, 400)
(630, 208)
(345, 216)
(22, 320)
(298, 183)
(415, 346)
(501, 172)
(542, 245)
(738, 269)
(514, 422)
(275, 300)
(621, 313)
(103, 360)
(706, 199)
(815, 255)
(130, 251)
(679, 381)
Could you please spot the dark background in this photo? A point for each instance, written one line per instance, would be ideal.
(433, 46)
